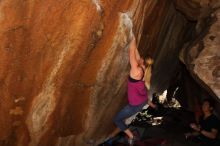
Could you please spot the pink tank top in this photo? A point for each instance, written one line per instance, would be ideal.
(137, 92)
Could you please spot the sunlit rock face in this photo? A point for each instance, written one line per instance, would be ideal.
(64, 64)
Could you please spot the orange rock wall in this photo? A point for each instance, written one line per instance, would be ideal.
(64, 64)
(56, 65)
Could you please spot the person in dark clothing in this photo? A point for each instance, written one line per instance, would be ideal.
(206, 131)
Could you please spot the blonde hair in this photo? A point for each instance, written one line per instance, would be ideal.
(147, 73)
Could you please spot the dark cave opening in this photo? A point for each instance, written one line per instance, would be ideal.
(170, 45)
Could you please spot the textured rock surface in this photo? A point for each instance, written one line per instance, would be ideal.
(202, 56)
(59, 65)
(64, 64)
